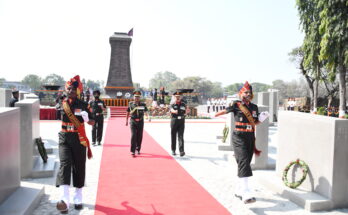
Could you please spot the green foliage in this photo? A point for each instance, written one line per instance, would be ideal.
(334, 32)
(33, 81)
(200, 85)
(54, 79)
(325, 24)
(304, 168)
(321, 111)
(2, 81)
(167, 99)
(309, 17)
(233, 88)
(225, 132)
(260, 87)
(257, 87)
(164, 79)
(94, 85)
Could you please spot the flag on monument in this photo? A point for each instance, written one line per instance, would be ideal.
(130, 32)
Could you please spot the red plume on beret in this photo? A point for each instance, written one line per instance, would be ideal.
(75, 82)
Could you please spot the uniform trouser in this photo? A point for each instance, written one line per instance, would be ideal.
(213, 108)
(243, 146)
(97, 131)
(208, 110)
(177, 129)
(72, 157)
(137, 134)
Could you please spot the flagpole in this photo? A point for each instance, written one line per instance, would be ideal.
(130, 33)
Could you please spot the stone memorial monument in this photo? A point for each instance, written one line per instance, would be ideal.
(119, 83)
(5, 97)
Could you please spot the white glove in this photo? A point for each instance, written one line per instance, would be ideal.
(84, 115)
(263, 116)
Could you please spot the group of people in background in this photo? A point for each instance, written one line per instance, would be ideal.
(291, 104)
(158, 97)
(216, 104)
(136, 111)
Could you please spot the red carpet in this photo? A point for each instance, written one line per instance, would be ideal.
(152, 183)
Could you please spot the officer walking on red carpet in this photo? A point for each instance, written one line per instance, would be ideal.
(136, 111)
(246, 116)
(177, 123)
(97, 107)
(73, 143)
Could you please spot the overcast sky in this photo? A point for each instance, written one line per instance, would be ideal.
(226, 41)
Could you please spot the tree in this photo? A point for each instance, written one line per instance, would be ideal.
(93, 85)
(54, 79)
(33, 81)
(331, 86)
(291, 89)
(334, 43)
(297, 56)
(217, 90)
(310, 21)
(233, 88)
(136, 85)
(260, 87)
(2, 80)
(325, 25)
(200, 85)
(164, 79)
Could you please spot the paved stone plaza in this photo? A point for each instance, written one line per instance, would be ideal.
(213, 169)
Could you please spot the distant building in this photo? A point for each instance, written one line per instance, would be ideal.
(17, 85)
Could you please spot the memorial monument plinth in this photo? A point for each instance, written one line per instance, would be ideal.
(119, 84)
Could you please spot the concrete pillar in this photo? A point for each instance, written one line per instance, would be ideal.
(261, 162)
(273, 105)
(30, 96)
(263, 98)
(231, 124)
(5, 97)
(29, 130)
(256, 98)
(22, 95)
(227, 146)
(9, 151)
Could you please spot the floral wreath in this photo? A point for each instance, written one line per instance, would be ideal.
(295, 184)
(225, 133)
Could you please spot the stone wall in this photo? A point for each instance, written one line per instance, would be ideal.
(9, 151)
(5, 97)
(322, 142)
(30, 129)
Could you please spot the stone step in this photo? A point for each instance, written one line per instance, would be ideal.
(24, 200)
(308, 200)
(48, 146)
(219, 137)
(43, 170)
(223, 146)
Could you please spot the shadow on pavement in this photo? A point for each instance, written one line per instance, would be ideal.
(127, 210)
